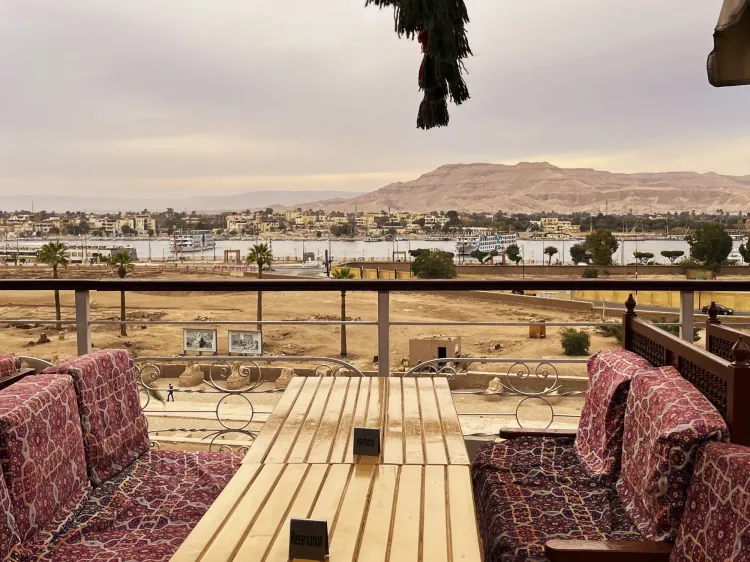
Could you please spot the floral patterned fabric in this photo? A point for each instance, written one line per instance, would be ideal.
(9, 364)
(599, 438)
(666, 421)
(530, 490)
(143, 514)
(8, 535)
(716, 525)
(115, 432)
(42, 448)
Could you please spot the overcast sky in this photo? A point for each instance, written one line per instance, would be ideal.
(163, 97)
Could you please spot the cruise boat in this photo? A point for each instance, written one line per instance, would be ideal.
(193, 241)
(485, 243)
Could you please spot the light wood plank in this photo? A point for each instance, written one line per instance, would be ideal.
(230, 537)
(344, 433)
(454, 438)
(464, 535)
(434, 526)
(393, 445)
(434, 441)
(407, 520)
(329, 424)
(275, 421)
(374, 417)
(283, 444)
(263, 531)
(216, 516)
(360, 415)
(377, 530)
(301, 447)
(330, 497)
(413, 446)
(301, 509)
(343, 545)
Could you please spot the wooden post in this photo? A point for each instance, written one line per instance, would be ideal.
(738, 390)
(713, 314)
(627, 323)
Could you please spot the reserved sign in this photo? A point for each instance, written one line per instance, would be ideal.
(308, 539)
(367, 441)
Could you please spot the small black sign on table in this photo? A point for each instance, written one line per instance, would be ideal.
(367, 441)
(308, 539)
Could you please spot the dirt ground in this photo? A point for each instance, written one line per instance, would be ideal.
(320, 341)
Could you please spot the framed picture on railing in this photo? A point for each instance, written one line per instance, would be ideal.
(199, 340)
(245, 342)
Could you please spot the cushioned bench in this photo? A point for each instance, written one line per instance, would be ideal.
(651, 422)
(79, 480)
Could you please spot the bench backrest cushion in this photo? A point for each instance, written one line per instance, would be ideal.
(9, 364)
(41, 446)
(598, 442)
(716, 523)
(8, 534)
(115, 432)
(667, 420)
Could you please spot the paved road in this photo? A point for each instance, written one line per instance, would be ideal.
(650, 308)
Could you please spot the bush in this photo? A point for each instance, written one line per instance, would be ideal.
(434, 264)
(590, 273)
(575, 342)
(613, 330)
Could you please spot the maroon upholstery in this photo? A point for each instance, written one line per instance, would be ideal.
(530, 490)
(9, 364)
(599, 439)
(8, 534)
(142, 514)
(114, 426)
(716, 525)
(40, 438)
(666, 421)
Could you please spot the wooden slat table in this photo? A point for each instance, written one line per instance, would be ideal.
(375, 513)
(314, 419)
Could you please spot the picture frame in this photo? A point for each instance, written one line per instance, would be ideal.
(245, 342)
(195, 340)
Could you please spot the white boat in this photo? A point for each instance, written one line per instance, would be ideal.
(735, 256)
(373, 239)
(193, 241)
(486, 243)
(438, 238)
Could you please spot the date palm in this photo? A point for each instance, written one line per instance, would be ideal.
(260, 255)
(343, 273)
(122, 263)
(55, 254)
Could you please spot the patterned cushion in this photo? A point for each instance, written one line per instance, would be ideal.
(8, 534)
(143, 514)
(530, 490)
(9, 364)
(40, 437)
(716, 525)
(114, 426)
(599, 439)
(666, 421)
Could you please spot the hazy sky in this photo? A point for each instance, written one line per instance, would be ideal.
(162, 97)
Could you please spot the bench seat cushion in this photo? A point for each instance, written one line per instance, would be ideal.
(44, 466)
(142, 514)
(8, 534)
(530, 490)
(716, 525)
(9, 364)
(115, 431)
(599, 438)
(666, 422)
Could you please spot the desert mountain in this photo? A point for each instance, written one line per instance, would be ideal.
(540, 186)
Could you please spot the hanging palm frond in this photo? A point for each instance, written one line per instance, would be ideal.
(439, 26)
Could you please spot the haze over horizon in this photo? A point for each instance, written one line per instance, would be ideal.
(175, 99)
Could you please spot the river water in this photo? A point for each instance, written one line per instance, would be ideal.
(532, 250)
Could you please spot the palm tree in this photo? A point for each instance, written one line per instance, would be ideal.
(343, 273)
(122, 262)
(55, 254)
(260, 255)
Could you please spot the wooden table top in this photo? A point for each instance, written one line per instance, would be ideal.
(314, 419)
(375, 513)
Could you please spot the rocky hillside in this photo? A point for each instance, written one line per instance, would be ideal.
(540, 186)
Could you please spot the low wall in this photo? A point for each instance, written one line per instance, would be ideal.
(670, 299)
(524, 300)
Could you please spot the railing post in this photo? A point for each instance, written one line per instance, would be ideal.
(384, 331)
(83, 328)
(687, 315)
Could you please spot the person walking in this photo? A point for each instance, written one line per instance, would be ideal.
(170, 393)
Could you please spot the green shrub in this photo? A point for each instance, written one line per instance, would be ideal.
(613, 330)
(575, 342)
(675, 330)
(590, 273)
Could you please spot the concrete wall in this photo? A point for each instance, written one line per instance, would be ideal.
(671, 299)
(524, 300)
